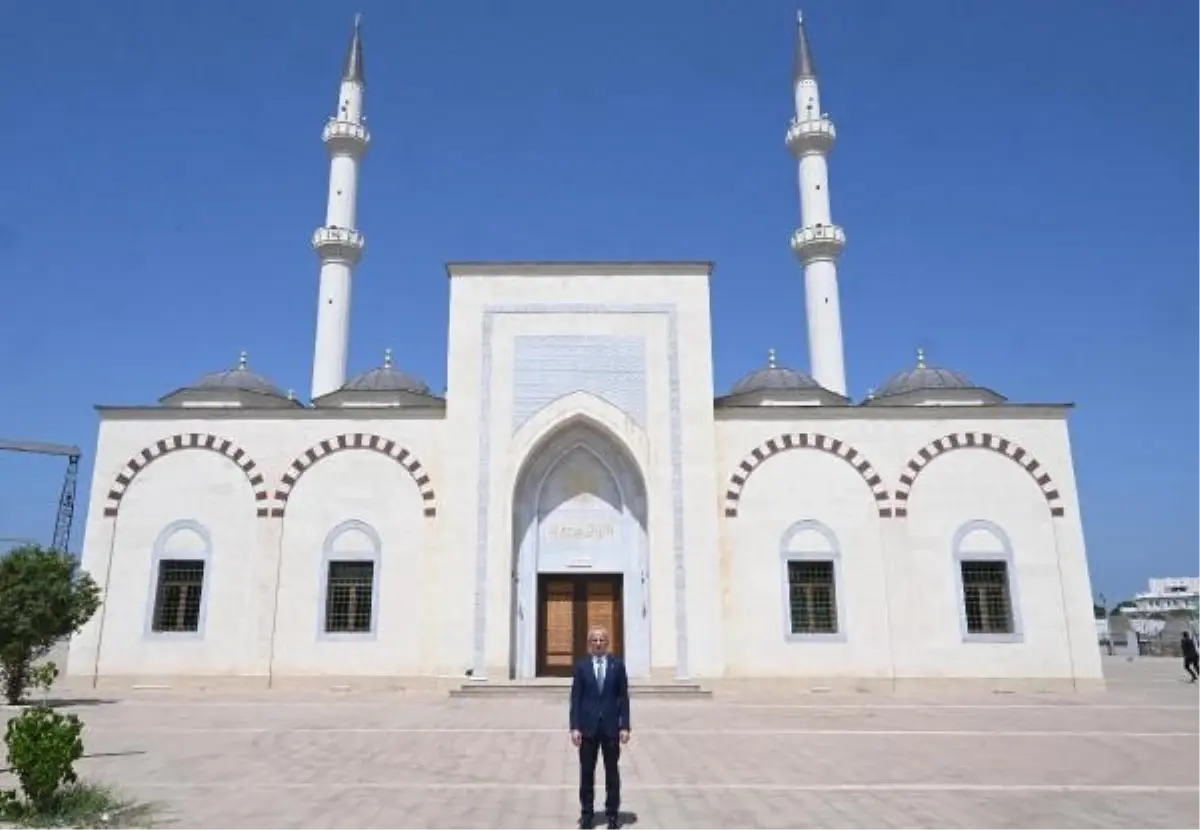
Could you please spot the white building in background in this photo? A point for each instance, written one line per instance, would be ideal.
(1165, 594)
(581, 470)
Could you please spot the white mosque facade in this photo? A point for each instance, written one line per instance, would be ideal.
(580, 470)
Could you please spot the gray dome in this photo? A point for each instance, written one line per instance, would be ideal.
(241, 379)
(774, 378)
(386, 378)
(923, 377)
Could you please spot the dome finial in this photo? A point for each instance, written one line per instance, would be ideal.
(387, 358)
(771, 364)
(243, 360)
(920, 358)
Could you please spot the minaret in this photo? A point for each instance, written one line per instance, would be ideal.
(818, 243)
(337, 243)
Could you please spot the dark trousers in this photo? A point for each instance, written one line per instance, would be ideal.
(610, 748)
(1191, 665)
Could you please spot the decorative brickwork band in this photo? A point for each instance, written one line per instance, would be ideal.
(355, 441)
(982, 440)
(805, 440)
(188, 441)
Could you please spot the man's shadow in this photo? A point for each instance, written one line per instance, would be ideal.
(624, 819)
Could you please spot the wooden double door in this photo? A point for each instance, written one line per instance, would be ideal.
(569, 605)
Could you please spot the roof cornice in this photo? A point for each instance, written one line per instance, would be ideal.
(648, 268)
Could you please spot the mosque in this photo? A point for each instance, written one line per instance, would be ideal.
(579, 470)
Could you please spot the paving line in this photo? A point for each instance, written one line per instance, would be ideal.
(649, 704)
(334, 787)
(514, 730)
(1064, 707)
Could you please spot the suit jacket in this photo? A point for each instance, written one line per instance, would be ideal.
(600, 712)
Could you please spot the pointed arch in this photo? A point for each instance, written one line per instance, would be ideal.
(979, 440)
(610, 473)
(186, 441)
(805, 440)
(355, 441)
(577, 408)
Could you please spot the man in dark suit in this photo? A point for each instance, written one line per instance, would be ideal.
(599, 724)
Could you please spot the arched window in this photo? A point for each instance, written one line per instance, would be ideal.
(987, 600)
(350, 561)
(812, 568)
(180, 572)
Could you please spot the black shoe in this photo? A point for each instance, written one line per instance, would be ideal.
(613, 823)
(587, 821)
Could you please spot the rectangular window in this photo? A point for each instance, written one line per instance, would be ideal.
(986, 597)
(812, 597)
(177, 599)
(348, 597)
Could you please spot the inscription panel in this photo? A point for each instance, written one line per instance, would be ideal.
(547, 367)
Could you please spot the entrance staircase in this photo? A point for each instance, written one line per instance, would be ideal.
(555, 688)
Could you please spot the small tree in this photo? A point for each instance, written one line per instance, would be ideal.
(44, 597)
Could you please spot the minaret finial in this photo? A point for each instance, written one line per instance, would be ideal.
(243, 360)
(354, 56)
(771, 359)
(920, 358)
(803, 66)
(387, 358)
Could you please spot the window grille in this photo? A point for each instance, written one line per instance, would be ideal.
(812, 597)
(348, 597)
(177, 599)
(986, 597)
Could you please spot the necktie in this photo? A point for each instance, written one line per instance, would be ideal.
(600, 671)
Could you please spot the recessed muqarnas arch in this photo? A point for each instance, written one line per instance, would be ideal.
(355, 441)
(186, 441)
(981, 440)
(812, 441)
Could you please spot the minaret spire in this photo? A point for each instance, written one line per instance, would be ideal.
(818, 243)
(354, 55)
(338, 244)
(803, 65)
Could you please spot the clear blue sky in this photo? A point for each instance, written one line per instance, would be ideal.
(1018, 181)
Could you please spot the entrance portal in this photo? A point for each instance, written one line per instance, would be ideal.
(580, 553)
(569, 607)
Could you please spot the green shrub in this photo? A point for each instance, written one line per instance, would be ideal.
(44, 597)
(43, 747)
(43, 678)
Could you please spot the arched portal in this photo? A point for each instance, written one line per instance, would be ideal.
(580, 556)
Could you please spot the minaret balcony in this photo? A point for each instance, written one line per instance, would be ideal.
(348, 137)
(338, 243)
(810, 135)
(819, 242)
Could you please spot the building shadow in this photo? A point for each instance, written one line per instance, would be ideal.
(58, 702)
(87, 755)
(124, 754)
(68, 702)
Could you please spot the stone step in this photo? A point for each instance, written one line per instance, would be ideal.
(554, 688)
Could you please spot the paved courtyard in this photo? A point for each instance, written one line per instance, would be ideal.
(1126, 758)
